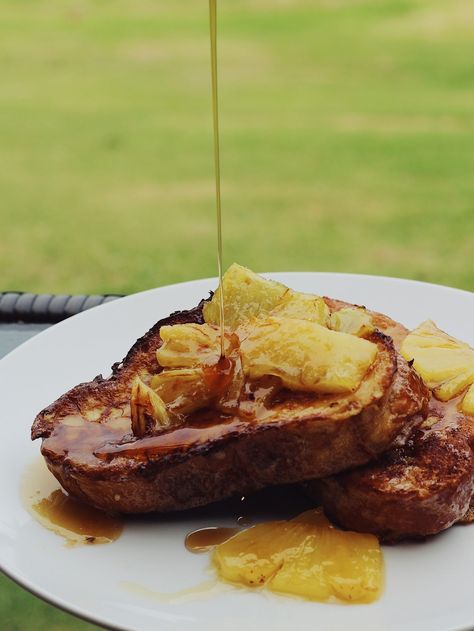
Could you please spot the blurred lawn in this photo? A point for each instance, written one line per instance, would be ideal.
(347, 145)
(347, 140)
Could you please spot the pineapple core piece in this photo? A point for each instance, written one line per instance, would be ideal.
(146, 404)
(305, 355)
(184, 390)
(248, 295)
(444, 363)
(305, 557)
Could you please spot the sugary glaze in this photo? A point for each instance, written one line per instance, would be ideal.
(76, 521)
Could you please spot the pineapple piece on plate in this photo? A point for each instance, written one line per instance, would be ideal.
(356, 571)
(252, 556)
(304, 557)
(331, 563)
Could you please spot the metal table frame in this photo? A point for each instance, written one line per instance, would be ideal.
(23, 315)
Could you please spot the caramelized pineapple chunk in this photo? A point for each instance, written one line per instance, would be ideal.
(302, 307)
(355, 571)
(305, 355)
(183, 389)
(352, 320)
(304, 573)
(189, 345)
(246, 295)
(452, 387)
(199, 375)
(444, 363)
(305, 557)
(146, 404)
(252, 556)
(467, 404)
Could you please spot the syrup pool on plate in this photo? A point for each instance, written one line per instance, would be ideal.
(64, 515)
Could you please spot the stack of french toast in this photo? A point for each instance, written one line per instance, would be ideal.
(377, 422)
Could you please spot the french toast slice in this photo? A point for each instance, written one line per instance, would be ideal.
(89, 446)
(412, 490)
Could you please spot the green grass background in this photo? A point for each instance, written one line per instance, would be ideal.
(347, 145)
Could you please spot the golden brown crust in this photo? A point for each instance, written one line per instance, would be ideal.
(88, 445)
(113, 392)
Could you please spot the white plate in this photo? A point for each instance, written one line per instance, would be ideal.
(428, 585)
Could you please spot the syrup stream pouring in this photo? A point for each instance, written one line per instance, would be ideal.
(215, 116)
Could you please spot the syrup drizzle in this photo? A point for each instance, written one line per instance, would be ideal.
(217, 167)
(204, 539)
